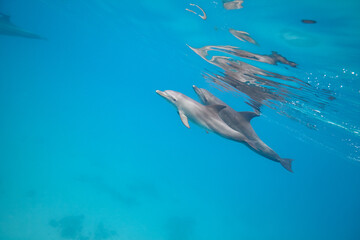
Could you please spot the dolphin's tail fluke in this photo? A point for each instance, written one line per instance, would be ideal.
(286, 163)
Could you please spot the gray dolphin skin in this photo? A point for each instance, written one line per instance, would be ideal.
(8, 28)
(209, 117)
(204, 116)
(240, 121)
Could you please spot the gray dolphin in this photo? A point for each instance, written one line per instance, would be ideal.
(8, 28)
(240, 121)
(207, 116)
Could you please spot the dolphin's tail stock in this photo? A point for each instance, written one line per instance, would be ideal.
(261, 148)
(286, 163)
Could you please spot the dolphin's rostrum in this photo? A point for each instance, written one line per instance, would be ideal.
(218, 117)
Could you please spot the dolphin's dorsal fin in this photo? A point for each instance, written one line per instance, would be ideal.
(184, 119)
(248, 115)
(216, 107)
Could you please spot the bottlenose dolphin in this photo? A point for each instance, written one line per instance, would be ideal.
(8, 28)
(208, 117)
(240, 121)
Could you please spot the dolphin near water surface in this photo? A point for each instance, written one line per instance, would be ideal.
(8, 28)
(217, 117)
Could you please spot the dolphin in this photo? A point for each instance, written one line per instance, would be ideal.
(8, 28)
(240, 121)
(208, 117)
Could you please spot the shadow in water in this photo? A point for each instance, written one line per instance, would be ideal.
(72, 227)
(179, 228)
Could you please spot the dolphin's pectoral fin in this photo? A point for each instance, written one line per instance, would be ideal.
(184, 119)
(216, 107)
(249, 115)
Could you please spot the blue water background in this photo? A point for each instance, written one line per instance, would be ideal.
(88, 150)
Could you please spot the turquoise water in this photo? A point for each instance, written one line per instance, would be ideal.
(89, 151)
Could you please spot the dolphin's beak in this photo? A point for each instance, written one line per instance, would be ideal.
(201, 94)
(161, 93)
(197, 90)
